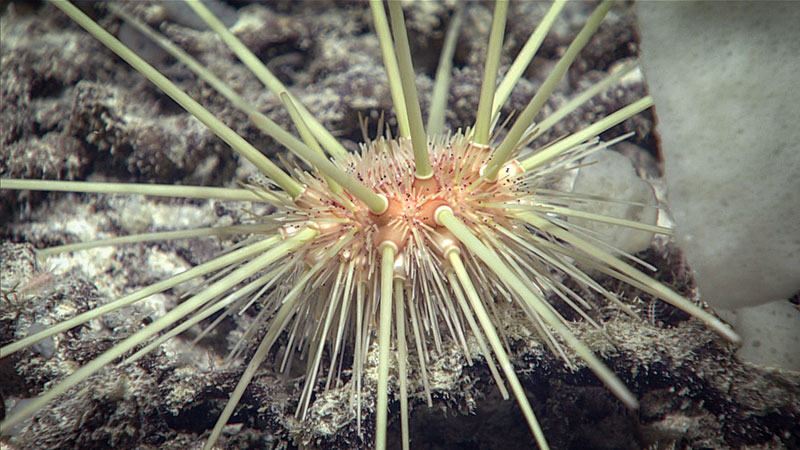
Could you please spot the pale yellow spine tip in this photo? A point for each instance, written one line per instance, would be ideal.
(439, 211)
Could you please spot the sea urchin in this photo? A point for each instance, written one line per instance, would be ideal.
(394, 250)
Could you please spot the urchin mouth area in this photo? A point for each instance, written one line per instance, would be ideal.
(455, 183)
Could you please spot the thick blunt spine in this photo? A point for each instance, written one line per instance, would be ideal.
(503, 152)
(419, 139)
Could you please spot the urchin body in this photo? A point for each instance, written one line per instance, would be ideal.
(387, 166)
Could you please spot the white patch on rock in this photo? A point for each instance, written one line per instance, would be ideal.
(613, 176)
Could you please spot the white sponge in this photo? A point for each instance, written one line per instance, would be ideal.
(724, 76)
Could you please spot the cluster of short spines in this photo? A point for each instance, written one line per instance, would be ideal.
(451, 221)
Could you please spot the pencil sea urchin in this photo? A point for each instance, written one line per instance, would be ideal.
(394, 251)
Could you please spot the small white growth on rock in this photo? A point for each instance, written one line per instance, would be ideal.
(772, 334)
(613, 176)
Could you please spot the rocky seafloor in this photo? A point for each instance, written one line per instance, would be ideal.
(71, 110)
